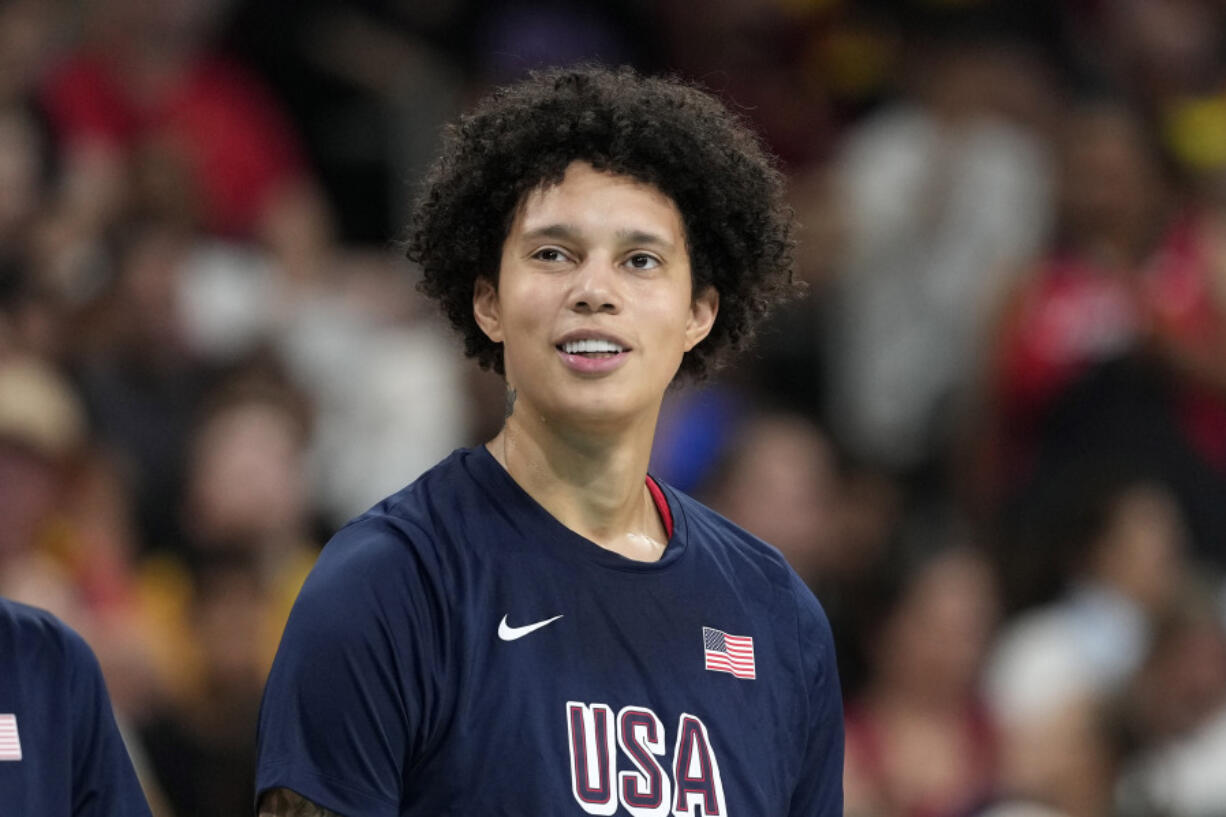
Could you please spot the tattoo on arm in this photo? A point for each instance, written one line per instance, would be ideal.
(511, 395)
(285, 803)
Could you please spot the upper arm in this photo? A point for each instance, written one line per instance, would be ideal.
(344, 708)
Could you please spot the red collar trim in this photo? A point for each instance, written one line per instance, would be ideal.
(666, 515)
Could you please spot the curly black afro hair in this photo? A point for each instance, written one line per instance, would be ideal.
(659, 131)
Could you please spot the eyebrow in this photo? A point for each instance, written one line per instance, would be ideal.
(642, 237)
(570, 232)
(562, 232)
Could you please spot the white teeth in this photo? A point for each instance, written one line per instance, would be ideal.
(576, 347)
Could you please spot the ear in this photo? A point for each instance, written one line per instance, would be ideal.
(703, 310)
(486, 309)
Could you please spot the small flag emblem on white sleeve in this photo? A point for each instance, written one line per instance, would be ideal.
(10, 742)
(728, 653)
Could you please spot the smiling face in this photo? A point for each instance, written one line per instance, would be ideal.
(594, 304)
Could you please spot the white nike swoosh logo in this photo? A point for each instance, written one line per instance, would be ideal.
(508, 633)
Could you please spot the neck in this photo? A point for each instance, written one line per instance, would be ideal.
(594, 484)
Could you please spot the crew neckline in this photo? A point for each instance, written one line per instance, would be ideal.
(565, 542)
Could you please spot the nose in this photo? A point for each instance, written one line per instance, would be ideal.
(596, 287)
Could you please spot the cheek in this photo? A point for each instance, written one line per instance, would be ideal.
(527, 321)
(681, 324)
(518, 306)
(668, 310)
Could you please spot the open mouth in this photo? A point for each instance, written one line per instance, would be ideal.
(591, 348)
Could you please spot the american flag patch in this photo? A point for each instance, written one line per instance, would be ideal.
(10, 743)
(728, 653)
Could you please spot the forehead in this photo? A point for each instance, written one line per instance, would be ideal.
(591, 198)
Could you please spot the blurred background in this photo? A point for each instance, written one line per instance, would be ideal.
(992, 436)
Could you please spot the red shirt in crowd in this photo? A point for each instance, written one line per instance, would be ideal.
(238, 146)
(1075, 314)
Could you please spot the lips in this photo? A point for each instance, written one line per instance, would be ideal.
(592, 353)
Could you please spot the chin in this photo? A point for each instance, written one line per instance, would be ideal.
(581, 413)
(597, 410)
(600, 404)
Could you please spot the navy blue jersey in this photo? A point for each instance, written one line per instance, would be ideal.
(458, 651)
(60, 751)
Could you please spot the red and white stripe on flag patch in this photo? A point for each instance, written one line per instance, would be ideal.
(728, 653)
(10, 742)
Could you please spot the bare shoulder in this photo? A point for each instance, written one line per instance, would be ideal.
(285, 803)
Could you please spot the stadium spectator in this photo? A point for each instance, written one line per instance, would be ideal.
(1106, 346)
(1174, 712)
(944, 196)
(42, 426)
(137, 374)
(199, 742)
(920, 742)
(779, 480)
(145, 108)
(1056, 670)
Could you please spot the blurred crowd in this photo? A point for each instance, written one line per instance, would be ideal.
(992, 434)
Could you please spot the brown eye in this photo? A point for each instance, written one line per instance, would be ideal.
(549, 254)
(643, 261)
